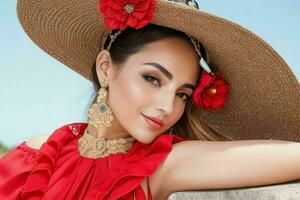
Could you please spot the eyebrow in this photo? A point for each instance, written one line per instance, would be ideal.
(168, 74)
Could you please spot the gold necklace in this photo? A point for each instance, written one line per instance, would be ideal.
(92, 147)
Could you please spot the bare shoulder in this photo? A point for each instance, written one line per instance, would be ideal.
(160, 178)
(37, 141)
(173, 173)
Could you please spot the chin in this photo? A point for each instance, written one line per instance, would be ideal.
(145, 140)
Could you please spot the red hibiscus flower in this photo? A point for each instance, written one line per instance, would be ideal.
(122, 13)
(211, 92)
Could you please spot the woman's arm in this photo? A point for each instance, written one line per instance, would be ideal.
(195, 165)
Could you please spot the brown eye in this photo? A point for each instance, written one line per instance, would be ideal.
(151, 79)
(185, 96)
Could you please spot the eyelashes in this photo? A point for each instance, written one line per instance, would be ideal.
(153, 79)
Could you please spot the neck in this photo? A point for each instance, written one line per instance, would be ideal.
(108, 133)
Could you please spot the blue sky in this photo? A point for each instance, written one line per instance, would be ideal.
(39, 94)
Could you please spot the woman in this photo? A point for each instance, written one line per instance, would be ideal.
(159, 68)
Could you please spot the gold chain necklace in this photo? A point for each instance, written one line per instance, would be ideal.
(92, 147)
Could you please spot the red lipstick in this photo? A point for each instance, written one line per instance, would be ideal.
(155, 122)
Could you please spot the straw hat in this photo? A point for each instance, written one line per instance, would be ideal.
(264, 98)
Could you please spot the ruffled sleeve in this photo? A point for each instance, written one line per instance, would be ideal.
(141, 161)
(15, 167)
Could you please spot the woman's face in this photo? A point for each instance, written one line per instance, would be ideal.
(150, 84)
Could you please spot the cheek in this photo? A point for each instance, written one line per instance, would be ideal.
(128, 98)
(176, 115)
(124, 96)
(127, 95)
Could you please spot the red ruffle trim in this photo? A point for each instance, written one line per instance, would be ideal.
(38, 179)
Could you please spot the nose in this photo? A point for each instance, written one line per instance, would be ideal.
(166, 104)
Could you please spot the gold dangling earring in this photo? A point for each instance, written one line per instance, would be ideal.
(99, 113)
(171, 131)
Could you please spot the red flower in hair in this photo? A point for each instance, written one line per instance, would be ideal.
(211, 92)
(122, 13)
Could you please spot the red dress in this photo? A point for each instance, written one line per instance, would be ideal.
(57, 170)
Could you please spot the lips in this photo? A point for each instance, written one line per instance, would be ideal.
(156, 120)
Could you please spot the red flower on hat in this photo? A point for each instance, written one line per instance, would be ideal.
(122, 13)
(211, 92)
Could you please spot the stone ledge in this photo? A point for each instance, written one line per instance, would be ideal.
(284, 191)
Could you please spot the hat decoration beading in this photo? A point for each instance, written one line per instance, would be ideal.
(212, 89)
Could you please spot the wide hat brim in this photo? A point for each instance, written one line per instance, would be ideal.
(264, 95)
